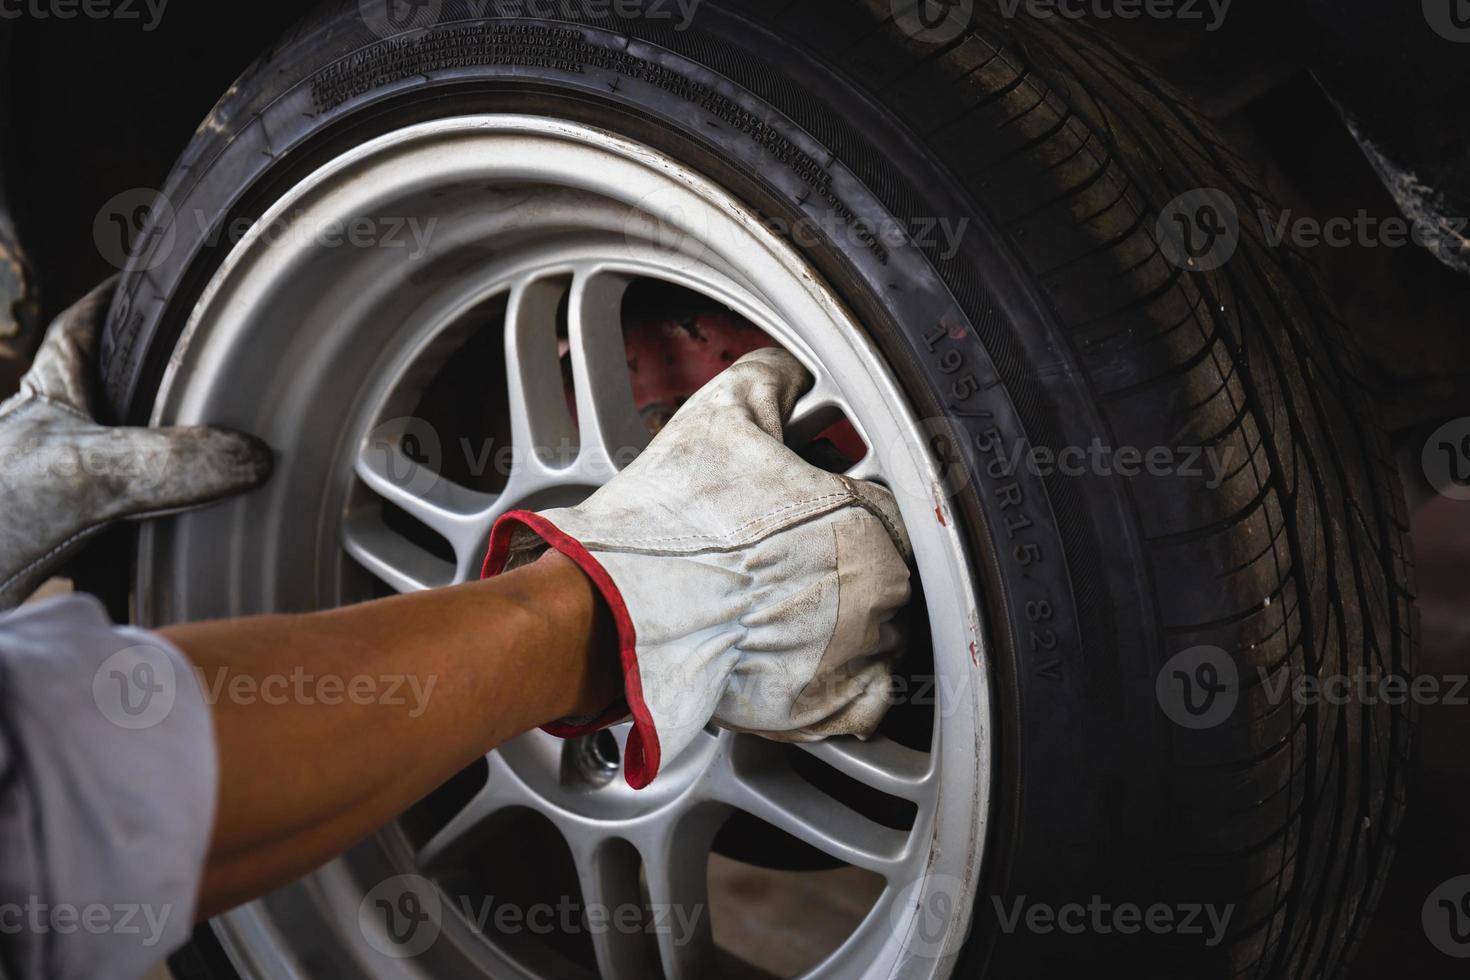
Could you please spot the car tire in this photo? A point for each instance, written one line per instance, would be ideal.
(1161, 454)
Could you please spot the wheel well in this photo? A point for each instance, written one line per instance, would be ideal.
(101, 106)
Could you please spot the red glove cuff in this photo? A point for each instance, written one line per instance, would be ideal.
(641, 754)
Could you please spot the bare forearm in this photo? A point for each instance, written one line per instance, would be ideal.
(331, 724)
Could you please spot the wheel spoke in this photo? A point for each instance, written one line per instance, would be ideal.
(675, 862)
(454, 512)
(867, 468)
(610, 430)
(502, 789)
(879, 762)
(764, 786)
(814, 412)
(541, 428)
(607, 869)
(400, 563)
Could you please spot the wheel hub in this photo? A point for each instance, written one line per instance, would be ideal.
(582, 778)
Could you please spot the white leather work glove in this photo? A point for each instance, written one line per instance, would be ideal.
(749, 588)
(63, 477)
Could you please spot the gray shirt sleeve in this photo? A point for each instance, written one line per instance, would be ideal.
(108, 775)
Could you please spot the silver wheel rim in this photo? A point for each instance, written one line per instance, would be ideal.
(317, 346)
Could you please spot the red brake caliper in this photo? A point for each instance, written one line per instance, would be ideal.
(671, 357)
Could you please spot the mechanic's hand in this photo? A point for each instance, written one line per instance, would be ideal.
(63, 477)
(749, 587)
